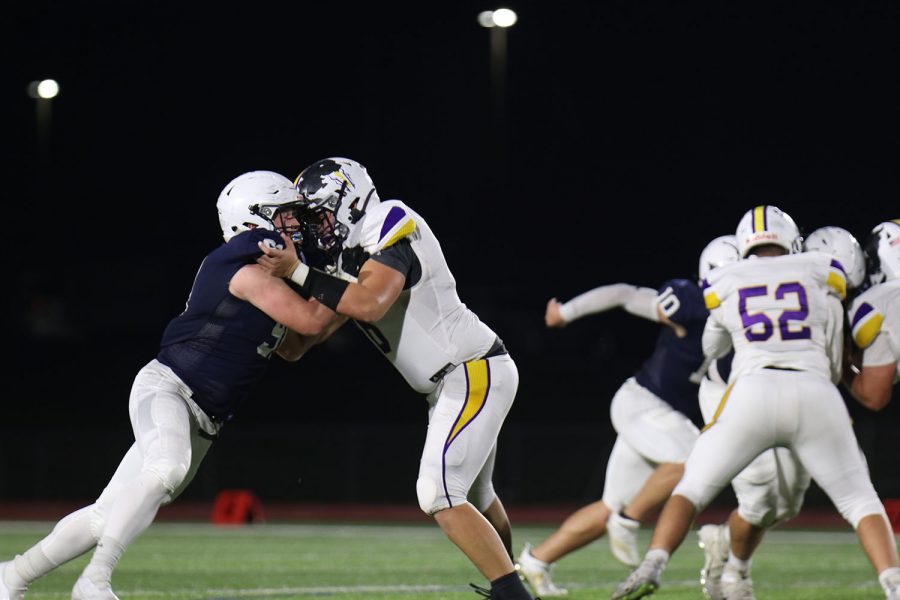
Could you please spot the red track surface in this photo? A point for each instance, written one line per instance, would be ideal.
(290, 512)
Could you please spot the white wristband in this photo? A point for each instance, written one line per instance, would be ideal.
(300, 273)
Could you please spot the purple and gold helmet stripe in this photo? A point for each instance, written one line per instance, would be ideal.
(760, 219)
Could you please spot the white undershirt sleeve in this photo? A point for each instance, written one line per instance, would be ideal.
(716, 339)
(639, 301)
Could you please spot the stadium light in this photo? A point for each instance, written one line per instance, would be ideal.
(44, 89)
(502, 17)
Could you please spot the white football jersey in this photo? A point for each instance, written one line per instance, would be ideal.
(428, 331)
(875, 318)
(782, 312)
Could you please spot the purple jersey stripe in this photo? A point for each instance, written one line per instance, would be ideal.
(864, 309)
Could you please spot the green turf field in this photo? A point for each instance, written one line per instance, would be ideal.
(380, 562)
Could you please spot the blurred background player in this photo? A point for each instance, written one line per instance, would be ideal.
(783, 316)
(211, 357)
(398, 288)
(875, 321)
(651, 412)
(770, 490)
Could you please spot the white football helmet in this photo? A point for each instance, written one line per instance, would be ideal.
(719, 252)
(840, 243)
(337, 191)
(767, 224)
(252, 200)
(883, 252)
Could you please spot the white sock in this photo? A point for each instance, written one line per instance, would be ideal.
(70, 538)
(736, 568)
(889, 576)
(105, 558)
(657, 555)
(540, 562)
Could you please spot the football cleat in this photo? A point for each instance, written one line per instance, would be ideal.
(86, 589)
(642, 582)
(739, 589)
(623, 534)
(537, 573)
(8, 592)
(714, 540)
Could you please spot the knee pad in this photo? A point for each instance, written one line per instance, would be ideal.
(169, 474)
(856, 513)
(431, 497)
(98, 520)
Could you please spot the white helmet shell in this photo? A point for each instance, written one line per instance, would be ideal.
(840, 243)
(341, 186)
(767, 224)
(719, 252)
(251, 200)
(883, 252)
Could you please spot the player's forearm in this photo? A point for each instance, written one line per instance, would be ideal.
(636, 300)
(873, 392)
(360, 303)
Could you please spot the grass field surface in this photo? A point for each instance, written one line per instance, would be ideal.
(381, 562)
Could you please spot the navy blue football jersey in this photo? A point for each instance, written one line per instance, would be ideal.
(669, 371)
(220, 345)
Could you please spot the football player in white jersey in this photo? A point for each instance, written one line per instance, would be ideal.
(210, 360)
(770, 490)
(875, 321)
(782, 314)
(651, 412)
(387, 272)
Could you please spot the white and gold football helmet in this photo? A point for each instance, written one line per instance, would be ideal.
(840, 243)
(767, 224)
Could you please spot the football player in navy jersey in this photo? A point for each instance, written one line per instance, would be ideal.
(384, 268)
(653, 413)
(211, 357)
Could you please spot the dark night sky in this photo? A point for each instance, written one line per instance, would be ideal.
(628, 135)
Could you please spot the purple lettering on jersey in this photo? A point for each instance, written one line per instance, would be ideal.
(864, 309)
(396, 213)
(751, 320)
(802, 312)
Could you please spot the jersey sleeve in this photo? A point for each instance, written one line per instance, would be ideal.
(398, 256)
(386, 224)
(866, 322)
(836, 279)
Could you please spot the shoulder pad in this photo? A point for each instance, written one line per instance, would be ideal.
(384, 225)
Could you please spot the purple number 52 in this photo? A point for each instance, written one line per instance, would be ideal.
(752, 321)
